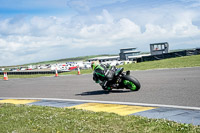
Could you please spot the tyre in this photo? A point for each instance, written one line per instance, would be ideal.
(131, 83)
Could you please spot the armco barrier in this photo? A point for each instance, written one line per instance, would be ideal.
(29, 72)
(169, 55)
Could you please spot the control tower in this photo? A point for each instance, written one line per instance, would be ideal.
(159, 48)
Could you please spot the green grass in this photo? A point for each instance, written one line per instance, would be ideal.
(179, 62)
(86, 71)
(48, 75)
(40, 119)
(23, 118)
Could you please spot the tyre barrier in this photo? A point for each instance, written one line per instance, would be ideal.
(30, 72)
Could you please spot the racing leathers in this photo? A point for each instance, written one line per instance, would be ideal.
(102, 74)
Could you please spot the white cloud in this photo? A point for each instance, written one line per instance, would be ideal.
(126, 28)
(10, 26)
(40, 38)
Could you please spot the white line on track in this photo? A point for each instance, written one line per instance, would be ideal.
(108, 102)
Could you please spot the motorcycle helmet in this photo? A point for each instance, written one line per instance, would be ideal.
(94, 64)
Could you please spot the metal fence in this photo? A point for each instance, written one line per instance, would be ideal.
(169, 55)
(29, 72)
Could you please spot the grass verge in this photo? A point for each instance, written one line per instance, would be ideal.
(49, 75)
(179, 62)
(24, 118)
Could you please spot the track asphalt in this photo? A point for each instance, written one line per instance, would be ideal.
(187, 116)
(171, 94)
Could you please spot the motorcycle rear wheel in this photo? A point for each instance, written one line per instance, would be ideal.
(131, 83)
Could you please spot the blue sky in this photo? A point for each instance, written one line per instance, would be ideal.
(40, 30)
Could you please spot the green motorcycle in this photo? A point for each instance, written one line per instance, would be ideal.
(121, 80)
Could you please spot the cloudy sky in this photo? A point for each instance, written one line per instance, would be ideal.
(40, 30)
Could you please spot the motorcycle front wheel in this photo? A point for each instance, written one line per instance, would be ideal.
(131, 83)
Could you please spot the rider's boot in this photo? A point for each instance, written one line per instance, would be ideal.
(128, 72)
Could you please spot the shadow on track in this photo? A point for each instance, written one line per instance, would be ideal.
(101, 92)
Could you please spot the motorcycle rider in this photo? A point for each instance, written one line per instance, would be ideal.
(102, 74)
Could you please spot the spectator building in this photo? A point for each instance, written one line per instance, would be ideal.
(104, 58)
(128, 53)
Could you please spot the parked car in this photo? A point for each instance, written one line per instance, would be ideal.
(22, 69)
(14, 69)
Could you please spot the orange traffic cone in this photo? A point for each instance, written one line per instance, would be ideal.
(5, 76)
(56, 73)
(79, 71)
